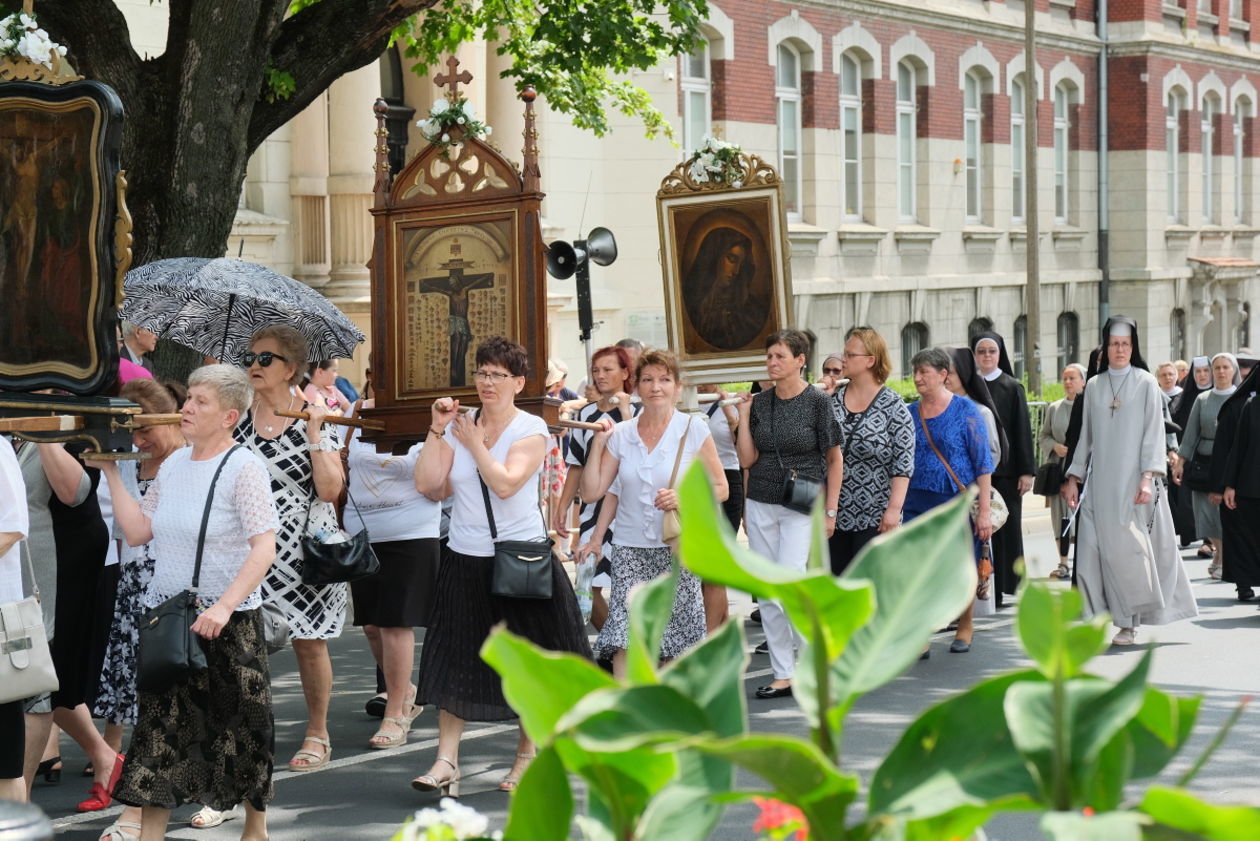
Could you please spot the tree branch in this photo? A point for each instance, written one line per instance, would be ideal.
(323, 42)
(95, 33)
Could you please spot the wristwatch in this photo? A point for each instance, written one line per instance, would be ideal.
(831, 513)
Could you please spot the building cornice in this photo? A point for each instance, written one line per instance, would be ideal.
(1199, 53)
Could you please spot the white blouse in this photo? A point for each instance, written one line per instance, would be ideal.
(516, 518)
(642, 473)
(723, 437)
(383, 491)
(13, 518)
(242, 507)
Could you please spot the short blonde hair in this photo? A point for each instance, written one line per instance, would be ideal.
(231, 385)
(292, 347)
(660, 358)
(874, 344)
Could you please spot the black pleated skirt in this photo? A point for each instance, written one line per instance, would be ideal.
(1241, 535)
(400, 595)
(453, 677)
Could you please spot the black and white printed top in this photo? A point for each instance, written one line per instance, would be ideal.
(579, 448)
(878, 444)
(804, 428)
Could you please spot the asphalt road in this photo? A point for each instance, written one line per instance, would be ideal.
(364, 794)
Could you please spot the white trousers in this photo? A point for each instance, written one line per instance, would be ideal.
(781, 536)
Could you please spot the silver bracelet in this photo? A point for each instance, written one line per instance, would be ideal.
(324, 446)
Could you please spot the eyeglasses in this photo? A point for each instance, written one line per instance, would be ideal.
(495, 377)
(848, 355)
(264, 359)
(833, 371)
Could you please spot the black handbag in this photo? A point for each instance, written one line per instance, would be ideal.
(1197, 475)
(333, 563)
(1049, 479)
(522, 568)
(798, 491)
(169, 649)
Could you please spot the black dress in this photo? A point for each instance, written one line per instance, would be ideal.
(1179, 498)
(1238, 435)
(1008, 541)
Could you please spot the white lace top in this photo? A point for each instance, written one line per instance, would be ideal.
(242, 508)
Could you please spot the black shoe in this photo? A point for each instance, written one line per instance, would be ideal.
(959, 647)
(48, 772)
(605, 663)
(1246, 594)
(375, 706)
(769, 691)
(763, 648)
(926, 654)
(755, 616)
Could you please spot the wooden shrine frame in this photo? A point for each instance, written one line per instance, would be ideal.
(457, 257)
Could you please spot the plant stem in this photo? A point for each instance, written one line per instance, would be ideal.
(1062, 790)
(1216, 742)
(822, 680)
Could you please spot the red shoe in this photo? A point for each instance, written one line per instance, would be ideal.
(99, 796)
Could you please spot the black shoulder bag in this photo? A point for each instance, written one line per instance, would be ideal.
(333, 563)
(522, 568)
(170, 650)
(798, 492)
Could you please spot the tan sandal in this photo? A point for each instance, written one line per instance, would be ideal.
(116, 832)
(449, 787)
(208, 817)
(513, 779)
(312, 760)
(384, 739)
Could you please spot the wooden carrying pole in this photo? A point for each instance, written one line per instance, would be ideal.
(357, 423)
(42, 423)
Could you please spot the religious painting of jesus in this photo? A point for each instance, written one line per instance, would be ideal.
(58, 159)
(457, 283)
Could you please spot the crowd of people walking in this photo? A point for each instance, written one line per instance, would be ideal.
(1133, 465)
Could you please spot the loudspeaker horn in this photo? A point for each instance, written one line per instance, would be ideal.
(601, 246)
(562, 260)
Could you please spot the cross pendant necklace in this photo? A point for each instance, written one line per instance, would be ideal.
(1115, 395)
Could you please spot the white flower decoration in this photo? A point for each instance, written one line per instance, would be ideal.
(439, 107)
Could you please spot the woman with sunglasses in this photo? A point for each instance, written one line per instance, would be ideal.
(306, 478)
(489, 461)
(877, 439)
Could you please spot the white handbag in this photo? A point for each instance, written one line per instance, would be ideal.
(26, 666)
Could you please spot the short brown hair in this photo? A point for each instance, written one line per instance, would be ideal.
(497, 350)
(292, 347)
(660, 358)
(793, 340)
(874, 344)
(153, 398)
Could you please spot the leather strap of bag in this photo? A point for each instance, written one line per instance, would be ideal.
(682, 442)
(205, 516)
(928, 434)
(485, 495)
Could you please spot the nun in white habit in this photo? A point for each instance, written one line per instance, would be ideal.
(1127, 562)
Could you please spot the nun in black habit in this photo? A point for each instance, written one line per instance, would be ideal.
(1235, 472)
(1181, 498)
(1014, 475)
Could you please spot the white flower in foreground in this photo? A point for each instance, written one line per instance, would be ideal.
(439, 107)
(446, 138)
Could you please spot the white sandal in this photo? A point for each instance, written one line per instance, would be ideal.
(208, 817)
(115, 832)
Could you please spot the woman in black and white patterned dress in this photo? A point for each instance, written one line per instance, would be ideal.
(306, 474)
(639, 455)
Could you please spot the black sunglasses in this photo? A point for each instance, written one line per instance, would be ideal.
(264, 359)
(836, 371)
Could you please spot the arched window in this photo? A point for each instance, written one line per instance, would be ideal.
(1019, 340)
(1242, 163)
(1177, 333)
(696, 95)
(399, 113)
(851, 134)
(787, 94)
(973, 145)
(1062, 175)
(1018, 196)
(914, 338)
(907, 135)
(1069, 334)
(1210, 107)
(1172, 154)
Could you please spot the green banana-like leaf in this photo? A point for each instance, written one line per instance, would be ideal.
(542, 807)
(625, 719)
(1160, 730)
(712, 675)
(619, 785)
(957, 754)
(1051, 633)
(679, 812)
(1183, 811)
(650, 610)
(1106, 826)
(924, 575)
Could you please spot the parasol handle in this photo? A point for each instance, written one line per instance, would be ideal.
(357, 423)
(227, 320)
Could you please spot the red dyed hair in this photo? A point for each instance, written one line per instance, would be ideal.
(623, 359)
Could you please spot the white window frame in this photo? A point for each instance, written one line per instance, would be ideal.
(784, 96)
(907, 134)
(851, 158)
(691, 85)
(1019, 172)
(1208, 109)
(1236, 10)
(1242, 196)
(973, 147)
(1062, 153)
(1172, 156)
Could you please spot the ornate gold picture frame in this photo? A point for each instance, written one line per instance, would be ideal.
(724, 257)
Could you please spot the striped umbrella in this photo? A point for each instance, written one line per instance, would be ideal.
(214, 305)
